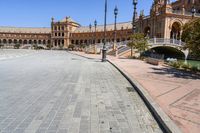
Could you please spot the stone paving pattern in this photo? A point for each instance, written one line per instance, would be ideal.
(56, 92)
(13, 53)
(177, 92)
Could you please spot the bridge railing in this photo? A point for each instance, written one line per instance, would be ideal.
(162, 41)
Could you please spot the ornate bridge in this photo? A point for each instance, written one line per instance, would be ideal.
(153, 43)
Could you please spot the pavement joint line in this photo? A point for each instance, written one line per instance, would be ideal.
(165, 123)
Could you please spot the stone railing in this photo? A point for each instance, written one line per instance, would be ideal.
(164, 41)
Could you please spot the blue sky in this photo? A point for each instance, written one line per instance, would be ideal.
(38, 13)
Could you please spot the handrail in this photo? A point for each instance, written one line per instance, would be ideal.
(152, 42)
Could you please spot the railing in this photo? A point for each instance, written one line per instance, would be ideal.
(164, 41)
(151, 42)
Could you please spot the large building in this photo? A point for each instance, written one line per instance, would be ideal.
(165, 21)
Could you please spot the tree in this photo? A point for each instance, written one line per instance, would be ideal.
(139, 42)
(71, 46)
(191, 36)
(1, 45)
(49, 46)
(16, 46)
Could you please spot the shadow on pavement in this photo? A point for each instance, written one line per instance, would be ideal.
(176, 73)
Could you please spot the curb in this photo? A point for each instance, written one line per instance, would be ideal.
(164, 122)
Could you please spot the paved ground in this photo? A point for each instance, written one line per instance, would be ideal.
(53, 91)
(177, 92)
(12, 53)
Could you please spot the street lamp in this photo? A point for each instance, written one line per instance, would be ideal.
(95, 25)
(135, 2)
(115, 34)
(90, 26)
(104, 44)
(193, 11)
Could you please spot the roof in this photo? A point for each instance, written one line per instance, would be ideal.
(24, 30)
(69, 19)
(125, 25)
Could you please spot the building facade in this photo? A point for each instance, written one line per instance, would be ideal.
(165, 21)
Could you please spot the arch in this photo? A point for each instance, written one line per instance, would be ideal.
(147, 31)
(30, 42)
(175, 30)
(10, 41)
(169, 52)
(35, 41)
(81, 41)
(49, 42)
(39, 42)
(15, 41)
(44, 41)
(4, 41)
(25, 42)
(72, 41)
(77, 41)
(85, 41)
(20, 41)
(58, 42)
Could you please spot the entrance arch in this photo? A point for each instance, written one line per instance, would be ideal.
(15, 41)
(20, 42)
(4, 41)
(175, 31)
(147, 31)
(9, 41)
(25, 42)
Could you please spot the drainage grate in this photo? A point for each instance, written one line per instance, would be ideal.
(130, 89)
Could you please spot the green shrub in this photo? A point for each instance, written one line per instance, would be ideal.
(194, 68)
(71, 46)
(16, 46)
(185, 66)
(175, 64)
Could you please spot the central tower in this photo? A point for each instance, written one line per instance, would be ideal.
(60, 32)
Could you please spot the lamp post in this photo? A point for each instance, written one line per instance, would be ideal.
(104, 43)
(95, 25)
(135, 2)
(90, 26)
(115, 32)
(193, 11)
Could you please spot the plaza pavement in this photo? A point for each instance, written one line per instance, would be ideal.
(176, 92)
(13, 53)
(57, 92)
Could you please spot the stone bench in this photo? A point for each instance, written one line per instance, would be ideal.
(154, 61)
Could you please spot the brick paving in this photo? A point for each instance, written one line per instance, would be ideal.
(176, 92)
(56, 92)
(12, 53)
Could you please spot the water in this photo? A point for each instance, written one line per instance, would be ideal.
(192, 63)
